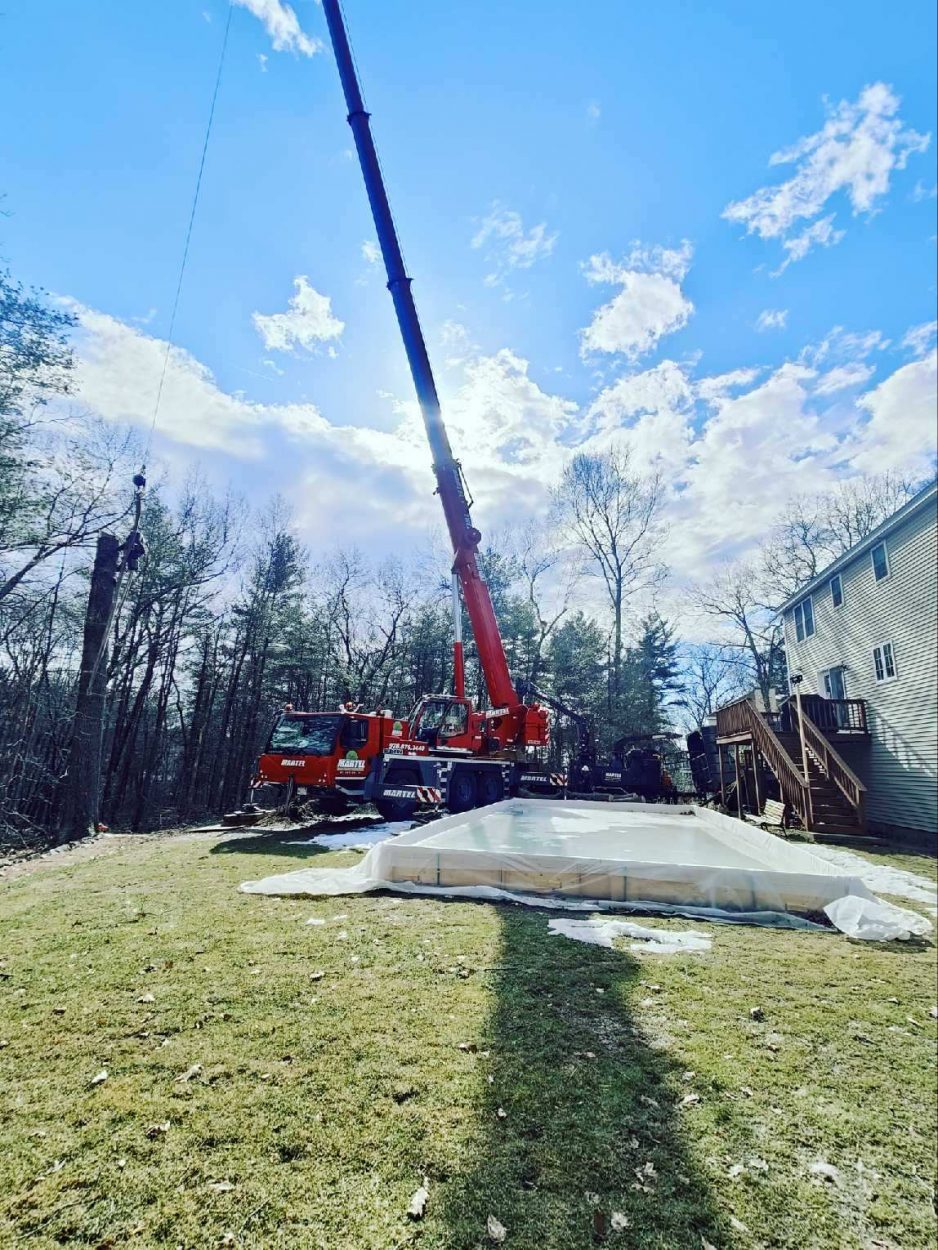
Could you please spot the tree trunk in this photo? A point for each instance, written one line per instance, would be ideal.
(83, 783)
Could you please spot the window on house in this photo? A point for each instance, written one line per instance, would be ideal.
(804, 619)
(880, 561)
(884, 662)
(837, 590)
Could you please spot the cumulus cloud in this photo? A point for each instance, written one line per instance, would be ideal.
(371, 252)
(855, 152)
(900, 433)
(772, 319)
(731, 447)
(650, 412)
(308, 321)
(649, 305)
(118, 375)
(508, 245)
(282, 25)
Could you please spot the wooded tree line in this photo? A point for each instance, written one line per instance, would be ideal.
(228, 617)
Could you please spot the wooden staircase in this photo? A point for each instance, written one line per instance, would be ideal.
(829, 798)
(831, 811)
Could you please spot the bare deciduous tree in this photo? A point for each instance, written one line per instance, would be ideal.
(814, 530)
(613, 514)
(734, 599)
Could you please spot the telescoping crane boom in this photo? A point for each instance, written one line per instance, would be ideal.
(446, 751)
(450, 484)
(451, 487)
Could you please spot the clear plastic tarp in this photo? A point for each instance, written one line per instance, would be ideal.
(634, 856)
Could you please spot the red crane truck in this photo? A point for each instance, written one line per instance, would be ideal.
(446, 751)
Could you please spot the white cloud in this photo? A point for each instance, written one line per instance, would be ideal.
(845, 346)
(118, 374)
(649, 305)
(713, 388)
(262, 62)
(309, 321)
(919, 339)
(900, 433)
(843, 377)
(754, 451)
(855, 152)
(282, 25)
(594, 110)
(921, 192)
(648, 412)
(371, 252)
(820, 234)
(508, 245)
(772, 319)
(732, 448)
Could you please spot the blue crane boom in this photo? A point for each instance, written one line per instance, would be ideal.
(464, 536)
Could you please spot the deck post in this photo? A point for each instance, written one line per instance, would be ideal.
(739, 796)
(755, 776)
(722, 784)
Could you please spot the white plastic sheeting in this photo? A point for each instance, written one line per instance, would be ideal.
(874, 920)
(634, 856)
(604, 933)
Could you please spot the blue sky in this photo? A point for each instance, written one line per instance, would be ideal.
(563, 180)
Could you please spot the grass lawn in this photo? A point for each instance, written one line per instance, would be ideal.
(527, 1077)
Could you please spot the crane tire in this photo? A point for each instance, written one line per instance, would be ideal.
(463, 791)
(491, 788)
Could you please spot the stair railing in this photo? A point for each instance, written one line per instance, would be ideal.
(832, 765)
(742, 718)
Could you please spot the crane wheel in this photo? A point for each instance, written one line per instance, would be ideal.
(463, 792)
(491, 789)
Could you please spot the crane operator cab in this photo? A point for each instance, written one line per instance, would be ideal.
(443, 721)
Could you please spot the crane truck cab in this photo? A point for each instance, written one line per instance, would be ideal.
(327, 756)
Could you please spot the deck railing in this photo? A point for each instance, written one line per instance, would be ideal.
(830, 763)
(836, 715)
(741, 718)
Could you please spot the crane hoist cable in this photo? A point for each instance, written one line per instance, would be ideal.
(188, 238)
(132, 549)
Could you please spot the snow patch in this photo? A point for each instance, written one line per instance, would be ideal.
(357, 839)
(882, 878)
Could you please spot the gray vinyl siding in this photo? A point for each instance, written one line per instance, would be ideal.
(900, 764)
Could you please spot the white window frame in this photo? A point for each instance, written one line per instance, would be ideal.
(885, 577)
(804, 632)
(840, 582)
(879, 654)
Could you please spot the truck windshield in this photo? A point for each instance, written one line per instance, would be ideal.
(307, 735)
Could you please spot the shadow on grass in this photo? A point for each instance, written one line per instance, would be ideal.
(580, 1138)
(280, 843)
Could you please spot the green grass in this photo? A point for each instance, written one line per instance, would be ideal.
(324, 1102)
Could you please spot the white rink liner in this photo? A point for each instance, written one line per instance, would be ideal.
(687, 860)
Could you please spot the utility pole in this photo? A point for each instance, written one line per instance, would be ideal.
(83, 778)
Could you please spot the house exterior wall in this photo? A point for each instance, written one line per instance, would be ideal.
(899, 766)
